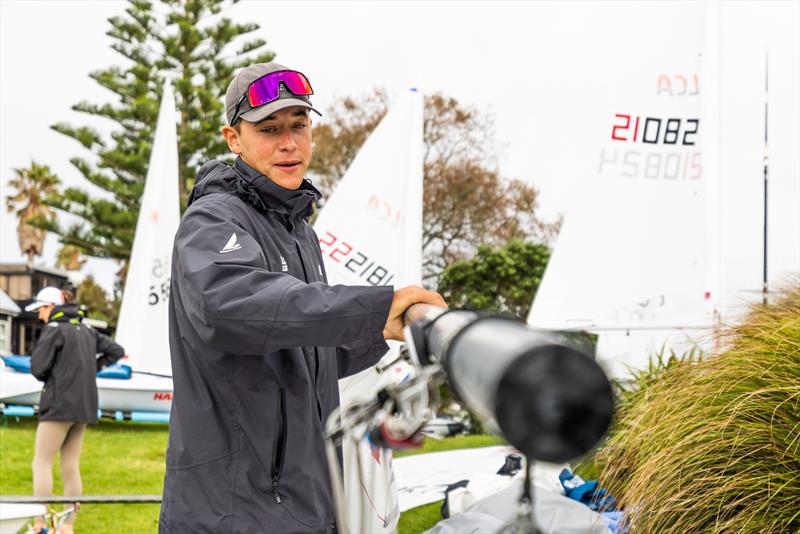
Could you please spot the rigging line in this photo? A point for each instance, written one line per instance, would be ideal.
(151, 374)
(357, 445)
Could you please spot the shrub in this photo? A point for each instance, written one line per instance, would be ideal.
(713, 445)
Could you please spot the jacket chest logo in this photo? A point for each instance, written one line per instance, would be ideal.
(231, 245)
(284, 267)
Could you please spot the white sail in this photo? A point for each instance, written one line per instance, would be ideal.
(630, 261)
(370, 233)
(663, 236)
(143, 321)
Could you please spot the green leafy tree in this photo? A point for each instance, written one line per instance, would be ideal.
(29, 188)
(99, 306)
(187, 41)
(466, 201)
(501, 279)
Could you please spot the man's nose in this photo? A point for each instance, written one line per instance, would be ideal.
(286, 141)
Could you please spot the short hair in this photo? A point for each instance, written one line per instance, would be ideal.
(68, 293)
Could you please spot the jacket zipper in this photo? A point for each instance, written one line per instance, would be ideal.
(279, 445)
(316, 353)
(316, 378)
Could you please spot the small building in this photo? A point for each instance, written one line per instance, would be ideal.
(21, 282)
(8, 310)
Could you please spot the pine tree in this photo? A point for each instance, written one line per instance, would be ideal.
(90, 294)
(189, 42)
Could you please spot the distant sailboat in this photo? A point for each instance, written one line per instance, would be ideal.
(143, 321)
(143, 326)
(370, 233)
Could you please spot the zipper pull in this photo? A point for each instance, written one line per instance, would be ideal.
(275, 490)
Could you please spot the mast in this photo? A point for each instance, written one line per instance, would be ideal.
(711, 93)
(765, 281)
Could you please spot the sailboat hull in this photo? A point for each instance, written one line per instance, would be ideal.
(140, 393)
(15, 516)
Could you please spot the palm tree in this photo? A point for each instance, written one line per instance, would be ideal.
(32, 186)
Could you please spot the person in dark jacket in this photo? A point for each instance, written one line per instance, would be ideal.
(65, 359)
(258, 339)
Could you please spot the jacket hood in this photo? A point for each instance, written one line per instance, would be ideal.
(66, 313)
(254, 188)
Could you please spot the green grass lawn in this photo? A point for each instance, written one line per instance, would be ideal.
(128, 458)
(118, 458)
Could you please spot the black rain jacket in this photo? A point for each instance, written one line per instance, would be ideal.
(65, 359)
(258, 340)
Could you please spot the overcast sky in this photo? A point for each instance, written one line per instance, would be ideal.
(499, 56)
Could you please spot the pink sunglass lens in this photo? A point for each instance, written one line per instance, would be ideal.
(297, 83)
(261, 92)
(267, 89)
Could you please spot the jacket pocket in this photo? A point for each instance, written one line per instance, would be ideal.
(279, 444)
(199, 498)
(47, 396)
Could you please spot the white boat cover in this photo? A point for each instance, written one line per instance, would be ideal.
(423, 478)
(554, 514)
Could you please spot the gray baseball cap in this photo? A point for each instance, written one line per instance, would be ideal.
(235, 99)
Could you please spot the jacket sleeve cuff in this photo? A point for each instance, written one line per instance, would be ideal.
(359, 355)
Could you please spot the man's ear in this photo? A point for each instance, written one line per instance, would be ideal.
(232, 138)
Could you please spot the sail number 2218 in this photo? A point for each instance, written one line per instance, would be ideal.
(354, 261)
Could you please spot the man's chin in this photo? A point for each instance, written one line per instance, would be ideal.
(287, 181)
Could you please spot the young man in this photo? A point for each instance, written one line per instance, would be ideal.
(258, 338)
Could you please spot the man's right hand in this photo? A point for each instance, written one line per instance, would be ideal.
(402, 300)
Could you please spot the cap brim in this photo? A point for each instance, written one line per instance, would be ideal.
(259, 114)
(35, 306)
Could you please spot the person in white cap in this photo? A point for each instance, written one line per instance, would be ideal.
(65, 359)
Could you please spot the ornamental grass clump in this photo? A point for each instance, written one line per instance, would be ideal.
(713, 445)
